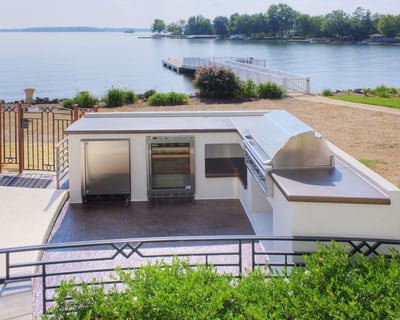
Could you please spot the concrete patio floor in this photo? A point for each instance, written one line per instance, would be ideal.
(100, 220)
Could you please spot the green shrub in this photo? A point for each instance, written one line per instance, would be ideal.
(249, 89)
(219, 83)
(168, 99)
(114, 98)
(82, 99)
(117, 97)
(85, 100)
(384, 92)
(270, 90)
(327, 93)
(159, 291)
(331, 285)
(67, 103)
(129, 96)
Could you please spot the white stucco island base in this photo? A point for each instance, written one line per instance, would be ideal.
(289, 179)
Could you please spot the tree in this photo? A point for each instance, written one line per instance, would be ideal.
(336, 24)
(307, 26)
(241, 24)
(361, 24)
(177, 28)
(158, 26)
(281, 19)
(316, 24)
(255, 24)
(260, 24)
(389, 25)
(199, 25)
(221, 25)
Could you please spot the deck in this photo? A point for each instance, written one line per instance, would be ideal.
(177, 66)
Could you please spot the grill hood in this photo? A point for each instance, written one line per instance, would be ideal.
(278, 140)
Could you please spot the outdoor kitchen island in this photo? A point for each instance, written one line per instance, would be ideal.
(289, 180)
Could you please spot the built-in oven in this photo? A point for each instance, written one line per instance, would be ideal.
(171, 167)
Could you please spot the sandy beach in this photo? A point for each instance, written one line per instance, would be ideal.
(363, 131)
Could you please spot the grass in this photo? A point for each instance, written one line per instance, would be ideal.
(376, 101)
(370, 163)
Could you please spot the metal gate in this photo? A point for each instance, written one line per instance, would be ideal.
(29, 135)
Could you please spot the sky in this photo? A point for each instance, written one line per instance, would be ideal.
(141, 13)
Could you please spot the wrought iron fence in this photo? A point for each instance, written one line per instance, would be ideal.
(49, 264)
(29, 135)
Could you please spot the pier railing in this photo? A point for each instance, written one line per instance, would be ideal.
(255, 70)
(48, 265)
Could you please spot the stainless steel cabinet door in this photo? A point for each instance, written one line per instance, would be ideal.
(106, 167)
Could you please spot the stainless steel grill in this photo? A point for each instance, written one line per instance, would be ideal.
(280, 141)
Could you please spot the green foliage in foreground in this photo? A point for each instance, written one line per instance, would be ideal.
(332, 285)
(168, 99)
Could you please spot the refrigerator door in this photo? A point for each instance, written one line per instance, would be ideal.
(107, 171)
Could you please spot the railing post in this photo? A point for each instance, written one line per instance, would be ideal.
(44, 288)
(57, 151)
(284, 83)
(1, 137)
(240, 258)
(75, 113)
(20, 119)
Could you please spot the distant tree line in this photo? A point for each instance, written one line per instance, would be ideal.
(281, 21)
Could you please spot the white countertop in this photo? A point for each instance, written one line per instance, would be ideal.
(115, 122)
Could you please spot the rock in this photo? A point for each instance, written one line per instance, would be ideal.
(360, 91)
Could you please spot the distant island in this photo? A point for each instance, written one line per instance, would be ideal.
(75, 29)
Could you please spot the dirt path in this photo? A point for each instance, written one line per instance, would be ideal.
(365, 132)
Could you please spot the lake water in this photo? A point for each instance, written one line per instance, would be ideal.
(59, 65)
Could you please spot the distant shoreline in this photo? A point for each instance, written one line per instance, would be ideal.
(78, 29)
(74, 29)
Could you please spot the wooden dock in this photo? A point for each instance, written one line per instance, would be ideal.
(177, 66)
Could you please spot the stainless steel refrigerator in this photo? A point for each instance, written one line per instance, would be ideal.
(106, 169)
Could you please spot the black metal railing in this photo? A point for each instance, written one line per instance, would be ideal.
(48, 265)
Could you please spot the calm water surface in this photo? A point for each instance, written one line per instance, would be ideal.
(59, 65)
